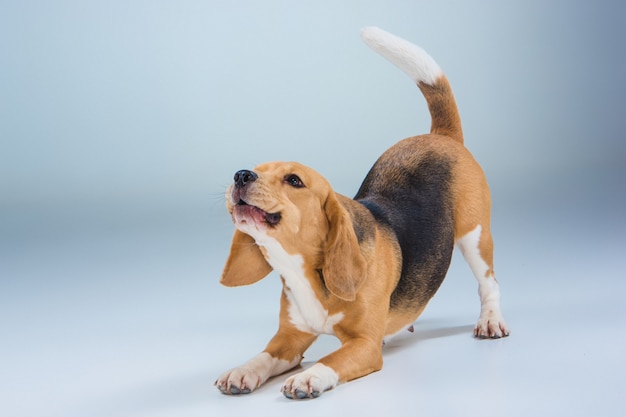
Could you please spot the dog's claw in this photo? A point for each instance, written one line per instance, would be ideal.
(491, 329)
(300, 395)
(232, 390)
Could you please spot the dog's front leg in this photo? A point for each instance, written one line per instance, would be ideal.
(357, 357)
(282, 353)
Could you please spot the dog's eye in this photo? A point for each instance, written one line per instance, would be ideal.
(294, 181)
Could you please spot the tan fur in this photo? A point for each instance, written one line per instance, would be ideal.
(323, 223)
(400, 320)
(351, 262)
(289, 343)
(443, 109)
(345, 268)
(245, 264)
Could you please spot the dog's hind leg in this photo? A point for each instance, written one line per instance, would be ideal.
(477, 249)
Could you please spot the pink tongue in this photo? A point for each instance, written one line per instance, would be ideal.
(258, 215)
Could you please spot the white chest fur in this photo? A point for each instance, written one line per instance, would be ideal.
(306, 312)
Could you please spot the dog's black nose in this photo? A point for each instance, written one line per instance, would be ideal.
(244, 177)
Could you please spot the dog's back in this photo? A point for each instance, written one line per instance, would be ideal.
(416, 202)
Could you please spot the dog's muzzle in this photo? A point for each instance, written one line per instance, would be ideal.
(242, 179)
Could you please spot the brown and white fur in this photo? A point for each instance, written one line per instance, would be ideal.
(362, 269)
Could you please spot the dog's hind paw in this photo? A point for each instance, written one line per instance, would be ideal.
(491, 327)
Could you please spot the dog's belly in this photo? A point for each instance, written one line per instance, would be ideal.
(399, 320)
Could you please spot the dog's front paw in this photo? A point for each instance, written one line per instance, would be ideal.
(491, 326)
(238, 381)
(310, 383)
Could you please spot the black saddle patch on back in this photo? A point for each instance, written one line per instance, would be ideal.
(413, 195)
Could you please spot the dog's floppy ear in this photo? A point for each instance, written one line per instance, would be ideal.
(344, 268)
(245, 264)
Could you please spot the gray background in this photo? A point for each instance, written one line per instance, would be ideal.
(122, 123)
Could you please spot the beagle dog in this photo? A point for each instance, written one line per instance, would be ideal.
(362, 269)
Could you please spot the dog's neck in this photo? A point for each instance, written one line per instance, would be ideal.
(306, 312)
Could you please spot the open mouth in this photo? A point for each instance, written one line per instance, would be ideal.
(257, 214)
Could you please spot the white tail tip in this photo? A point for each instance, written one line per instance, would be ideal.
(410, 58)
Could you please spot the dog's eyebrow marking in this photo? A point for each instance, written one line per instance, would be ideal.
(305, 310)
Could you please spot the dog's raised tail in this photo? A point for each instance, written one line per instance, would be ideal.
(425, 72)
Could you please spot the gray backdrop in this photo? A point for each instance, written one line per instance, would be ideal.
(117, 103)
(122, 123)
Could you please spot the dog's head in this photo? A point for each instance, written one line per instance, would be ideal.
(295, 206)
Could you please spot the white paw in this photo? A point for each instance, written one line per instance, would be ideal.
(237, 381)
(310, 383)
(491, 326)
(252, 374)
